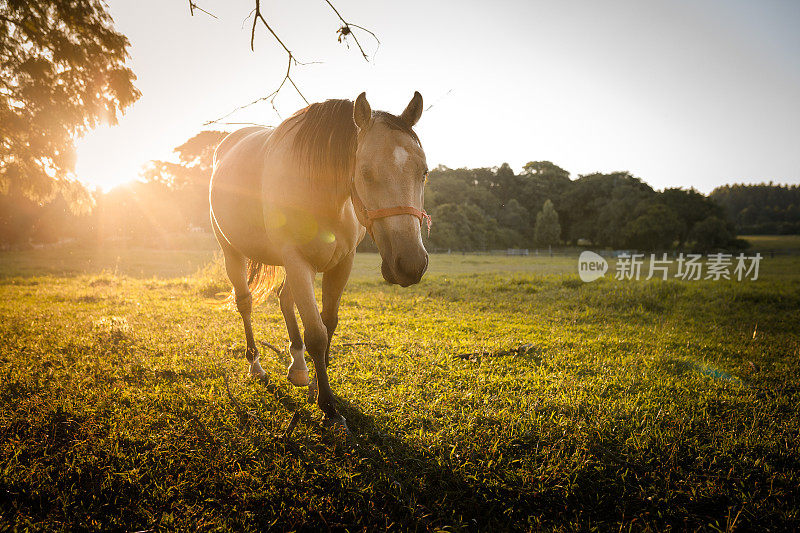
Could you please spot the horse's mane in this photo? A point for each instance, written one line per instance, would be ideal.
(325, 142)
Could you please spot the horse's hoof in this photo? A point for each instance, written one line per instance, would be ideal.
(256, 371)
(298, 376)
(297, 373)
(336, 424)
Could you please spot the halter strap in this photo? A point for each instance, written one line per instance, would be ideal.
(367, 216)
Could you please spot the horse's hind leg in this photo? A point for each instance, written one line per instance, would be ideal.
(236, 267)
(298, 371)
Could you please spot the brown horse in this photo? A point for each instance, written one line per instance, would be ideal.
(298, 199)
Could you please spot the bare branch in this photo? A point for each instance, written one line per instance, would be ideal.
(448, 93)
(346, 30)
(292, 60)
(193, 6)
(271, 347)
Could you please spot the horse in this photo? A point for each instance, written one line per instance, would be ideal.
(289, 203)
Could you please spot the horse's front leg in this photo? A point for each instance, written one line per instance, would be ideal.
(333, 282)
(300, 277)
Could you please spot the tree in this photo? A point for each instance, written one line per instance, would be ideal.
(711, 234)
(654, 228)
(185, 183)
(62, 71)
(547, 230)
(691, 207)
(599, 206)
(465, 227)
(514, 217)
(544, 168)
(765, 208)
(344, 33)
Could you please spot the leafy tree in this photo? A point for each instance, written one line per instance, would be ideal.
(598, 206)
(548, 230)
(515, 217)
(545, 169)
(62, 71)
(763, 208)
(710, 234)
(690, 207)
(541, 180)
(654, 227)
(186, 182)
(504, 183)
(464, 227)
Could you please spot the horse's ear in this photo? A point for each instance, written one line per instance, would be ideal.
(413, 111)
(362, 112)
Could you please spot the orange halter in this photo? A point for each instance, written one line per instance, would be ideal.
(367, 216)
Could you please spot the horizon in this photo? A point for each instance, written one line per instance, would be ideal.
(679, 95)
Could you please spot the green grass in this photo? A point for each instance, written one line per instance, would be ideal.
(772, 242)
(643, 405)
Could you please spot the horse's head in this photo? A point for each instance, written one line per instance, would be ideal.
(389, 181)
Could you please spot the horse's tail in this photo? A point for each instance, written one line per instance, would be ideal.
(261, 280)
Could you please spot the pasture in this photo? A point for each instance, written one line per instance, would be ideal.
(498, 394)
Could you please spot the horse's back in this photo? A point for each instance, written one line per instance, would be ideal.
(235, 137)
(235, 191)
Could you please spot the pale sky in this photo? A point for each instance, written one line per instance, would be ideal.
(679, 93)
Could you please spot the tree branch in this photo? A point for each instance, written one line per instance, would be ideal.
(344, 31)
(193, 6)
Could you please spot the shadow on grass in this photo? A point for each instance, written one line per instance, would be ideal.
(405, 486)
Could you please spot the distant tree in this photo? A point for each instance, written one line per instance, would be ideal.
(544, 168)
(654, 227)
(504, 183)
(764, 208)
(598, 206)
(186, 181)
(62, 71)
(23, 221)
(711, 234)
(539, 181)
(464, 227)
(690, 207)
(446, 185)
(627, 199)
(513, 216)
(547, 230)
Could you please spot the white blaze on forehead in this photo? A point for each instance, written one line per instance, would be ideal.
(400, 156)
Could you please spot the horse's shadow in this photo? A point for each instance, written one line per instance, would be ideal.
(405, 483)
(408, 486)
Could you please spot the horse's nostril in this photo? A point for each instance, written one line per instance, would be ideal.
(413, 269)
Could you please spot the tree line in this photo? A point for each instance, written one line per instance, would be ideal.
(494, 208)
(761, 209)
(472, 209)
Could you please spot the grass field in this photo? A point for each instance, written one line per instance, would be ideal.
(632, 404)
(776, 243)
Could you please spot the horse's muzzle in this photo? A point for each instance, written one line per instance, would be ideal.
(405, 270)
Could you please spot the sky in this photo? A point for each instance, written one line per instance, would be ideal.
(679, 93)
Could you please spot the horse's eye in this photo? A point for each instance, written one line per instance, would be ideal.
(368, 176)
